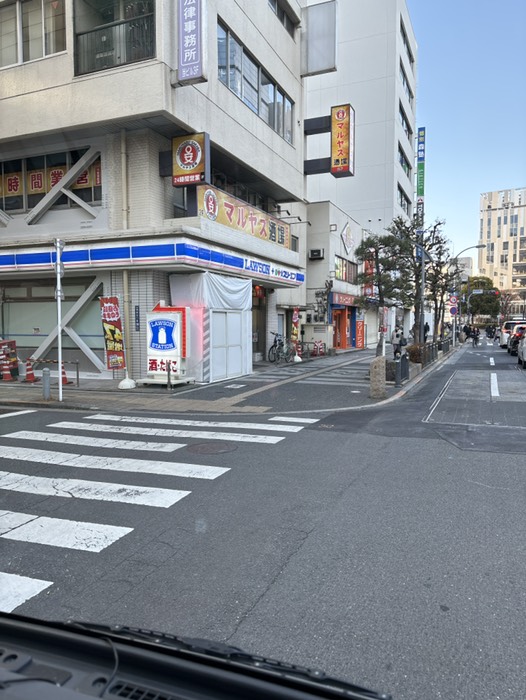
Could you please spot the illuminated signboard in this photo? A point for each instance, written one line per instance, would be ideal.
(342, 141)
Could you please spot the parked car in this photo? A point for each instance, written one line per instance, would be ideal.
(505, 330)
(521, 351)
(514, 337)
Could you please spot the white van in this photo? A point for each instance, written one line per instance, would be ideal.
(505, 330)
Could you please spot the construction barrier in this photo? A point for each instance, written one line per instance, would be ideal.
(63, 378)
(30, 375)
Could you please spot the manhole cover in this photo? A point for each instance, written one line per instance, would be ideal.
(211, 448)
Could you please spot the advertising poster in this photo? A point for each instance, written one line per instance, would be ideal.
(112, 327)
(294, 333)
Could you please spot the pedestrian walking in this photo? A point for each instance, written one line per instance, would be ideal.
(426, 331)
(395, 340)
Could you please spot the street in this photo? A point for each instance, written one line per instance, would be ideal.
(383, 544)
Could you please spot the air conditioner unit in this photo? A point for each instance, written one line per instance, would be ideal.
(316, 254)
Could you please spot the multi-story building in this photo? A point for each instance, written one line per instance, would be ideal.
(93, 94)
(376, 74)
(502, 226)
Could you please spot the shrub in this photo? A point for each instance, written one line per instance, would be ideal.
(414, 352)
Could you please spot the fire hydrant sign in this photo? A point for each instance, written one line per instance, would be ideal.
(112, 327)
(166, 342)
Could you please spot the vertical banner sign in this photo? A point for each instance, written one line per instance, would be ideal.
(368, 270)
(294, 333)
(420, 174)
(342, 141)
(190, 159)
(360, 334)
(191, 45)
(112, 327)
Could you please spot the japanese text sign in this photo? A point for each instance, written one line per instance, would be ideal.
(112, 327)
(342, 141)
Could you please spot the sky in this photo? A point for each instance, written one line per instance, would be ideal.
(471, 98)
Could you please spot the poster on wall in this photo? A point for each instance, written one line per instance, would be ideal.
(112, 328)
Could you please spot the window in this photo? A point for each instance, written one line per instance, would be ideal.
(405, 42)
(286, 20)
(250, 82)
(31, 29)
(404, 121)
(405, 83)
(345, 270)
(294, 243)
(404, 201)
(404, 161)
(25, 181)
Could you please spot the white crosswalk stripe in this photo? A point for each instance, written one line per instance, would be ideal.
(170, 432)
(16, 590)
(141, 466)
(70, 534)
(96, 490)
(36, 529)
(91, 441)
(196, 423)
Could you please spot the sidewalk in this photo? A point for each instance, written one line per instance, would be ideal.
(266, 390)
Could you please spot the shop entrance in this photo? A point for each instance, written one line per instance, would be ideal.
(339, 321)
(259, 324)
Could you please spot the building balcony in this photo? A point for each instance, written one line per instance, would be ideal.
(115, 44)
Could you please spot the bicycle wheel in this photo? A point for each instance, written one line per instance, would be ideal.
(289, 353)
(279, 354)
(272, 354)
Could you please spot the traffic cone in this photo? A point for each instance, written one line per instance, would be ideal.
(6, 372)
(65, 376)
(30, 375)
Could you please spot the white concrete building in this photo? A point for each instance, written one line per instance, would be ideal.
(377, 74)
(92, 94)
(503, 260)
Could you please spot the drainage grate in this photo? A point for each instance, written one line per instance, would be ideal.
(136, 692)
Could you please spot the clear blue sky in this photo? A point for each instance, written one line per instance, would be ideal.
(471, 97)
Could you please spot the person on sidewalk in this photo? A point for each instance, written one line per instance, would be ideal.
(426, 331)
(395, 340)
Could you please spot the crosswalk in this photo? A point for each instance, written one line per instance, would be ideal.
(354, 375)
(102, 443)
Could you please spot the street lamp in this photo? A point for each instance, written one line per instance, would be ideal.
(471, 247)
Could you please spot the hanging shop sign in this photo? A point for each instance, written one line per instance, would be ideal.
(167, 342)
(221, 207)
(342, 141)
(360, 334)
(113, 336)
(190, 159)
(191, 58)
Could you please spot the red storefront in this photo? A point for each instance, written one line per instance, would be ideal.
(348, 328)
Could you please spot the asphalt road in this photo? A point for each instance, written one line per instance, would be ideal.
(385, 545)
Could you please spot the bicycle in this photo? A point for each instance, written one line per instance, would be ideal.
(280, 349)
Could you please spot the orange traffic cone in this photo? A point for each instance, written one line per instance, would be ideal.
(30, 375)
(65, 376)
(6, 372)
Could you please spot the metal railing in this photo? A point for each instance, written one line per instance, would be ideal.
(115, 44)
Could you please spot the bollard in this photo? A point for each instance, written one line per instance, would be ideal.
(46, 384)
(398, 371)
(168, 377)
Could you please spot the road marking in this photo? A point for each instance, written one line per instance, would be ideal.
(196, 423)
(63, 438)
(57, 532)
(494, 385)
(492, 361)
(165, 432)
(118, 464)
(438, 399)
(291, 419)
(15, 413)
(15, 590)
(91, 490)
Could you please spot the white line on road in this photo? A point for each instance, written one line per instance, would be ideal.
(91, 490)
(118, 464)
(196, 423)
(291, 419)
(492, 361)
(57, 532)
(168, 432)
(15, 590)
(91, 441)
(494, 385)
(15, 413)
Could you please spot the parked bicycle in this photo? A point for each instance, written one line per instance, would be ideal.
(281, 349)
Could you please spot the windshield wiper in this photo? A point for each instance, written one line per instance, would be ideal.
(228, 653)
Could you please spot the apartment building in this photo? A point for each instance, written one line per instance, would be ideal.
(503, 260)
(377, 76)
(155, 148)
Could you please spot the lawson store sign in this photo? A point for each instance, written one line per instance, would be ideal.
(126, 254)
